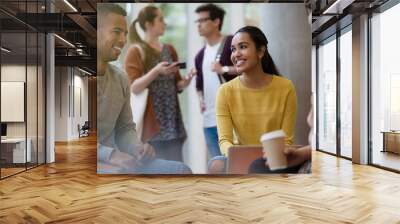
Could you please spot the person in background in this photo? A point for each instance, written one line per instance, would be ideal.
(118, 145)
(257, 101)
(152, 64)
(214, 67)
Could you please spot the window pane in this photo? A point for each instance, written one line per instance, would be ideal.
(346, 94)
(386, 88)
(327, 97)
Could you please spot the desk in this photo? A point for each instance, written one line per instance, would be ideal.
(391, 141)
(13, 150)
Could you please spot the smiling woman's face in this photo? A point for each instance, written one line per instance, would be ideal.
(244, 55)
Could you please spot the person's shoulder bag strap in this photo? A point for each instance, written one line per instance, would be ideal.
(218, 58)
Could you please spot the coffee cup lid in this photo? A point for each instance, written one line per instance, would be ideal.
(272, 135)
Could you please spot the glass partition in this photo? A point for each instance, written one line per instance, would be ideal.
(22, 89)
(13, 103)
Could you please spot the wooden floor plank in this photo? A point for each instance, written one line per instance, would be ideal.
(70, 191)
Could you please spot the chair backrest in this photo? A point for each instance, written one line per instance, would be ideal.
(86, 125)
(240, 158)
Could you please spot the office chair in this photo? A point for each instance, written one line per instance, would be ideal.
(84, 130)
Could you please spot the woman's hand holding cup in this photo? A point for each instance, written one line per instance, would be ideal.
(273, 148)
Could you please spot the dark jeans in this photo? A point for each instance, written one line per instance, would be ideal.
(169, 150)
(258, 166)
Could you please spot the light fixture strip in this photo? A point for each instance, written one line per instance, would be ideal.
(331, 7)
(86, 72)
(5, 50)
(70, 5)
(64, 40)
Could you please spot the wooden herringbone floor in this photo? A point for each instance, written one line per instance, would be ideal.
(70, 191)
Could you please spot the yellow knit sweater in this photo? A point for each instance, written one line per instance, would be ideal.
(252, 112)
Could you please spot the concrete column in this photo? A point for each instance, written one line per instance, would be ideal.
(360, 90)
(195, 150)
(50, 92)
(288, 30)
(50, 99)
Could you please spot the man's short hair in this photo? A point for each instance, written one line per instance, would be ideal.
(214, 11)
(104, 9)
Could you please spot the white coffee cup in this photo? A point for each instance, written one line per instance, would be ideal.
(273, 147)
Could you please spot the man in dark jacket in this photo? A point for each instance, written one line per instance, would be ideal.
(214, 67)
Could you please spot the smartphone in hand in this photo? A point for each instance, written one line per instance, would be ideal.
(181, 65)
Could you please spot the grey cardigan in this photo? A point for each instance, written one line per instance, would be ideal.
(115, 127)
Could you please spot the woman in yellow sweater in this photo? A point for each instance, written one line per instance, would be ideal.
(257, 101)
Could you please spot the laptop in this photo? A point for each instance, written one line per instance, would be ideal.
(241, 156)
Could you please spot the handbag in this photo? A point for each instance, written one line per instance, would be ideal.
(138, 105)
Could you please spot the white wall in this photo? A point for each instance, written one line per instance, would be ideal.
(16, 73)
(61, 104)
(80, 102)
(67, 115)
(33, 126)
(12, 101)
